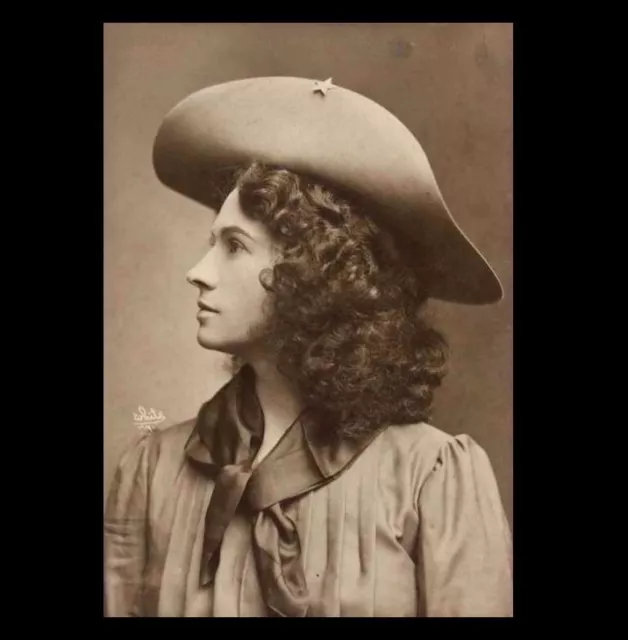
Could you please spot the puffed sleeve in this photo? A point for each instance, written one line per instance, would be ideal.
(464, 566)
(125, 531)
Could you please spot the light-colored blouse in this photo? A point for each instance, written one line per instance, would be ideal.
(413, 527)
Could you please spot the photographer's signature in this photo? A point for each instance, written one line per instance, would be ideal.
(148, 420)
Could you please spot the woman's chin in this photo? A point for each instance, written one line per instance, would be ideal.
(211, 343)
(207, 342)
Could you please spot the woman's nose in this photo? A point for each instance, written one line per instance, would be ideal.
(202, 274)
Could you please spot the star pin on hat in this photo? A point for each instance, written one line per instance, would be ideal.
(323, 87)
(326, 132)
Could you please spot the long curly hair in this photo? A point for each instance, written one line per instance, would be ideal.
(348, 322)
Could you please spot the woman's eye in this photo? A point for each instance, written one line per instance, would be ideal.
(234, 246)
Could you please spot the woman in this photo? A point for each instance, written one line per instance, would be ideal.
(312, 483)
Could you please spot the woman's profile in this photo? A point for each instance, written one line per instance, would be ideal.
(312, 483)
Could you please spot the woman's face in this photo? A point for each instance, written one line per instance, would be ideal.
(228, 281)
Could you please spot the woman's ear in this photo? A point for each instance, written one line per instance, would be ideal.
(266, 279)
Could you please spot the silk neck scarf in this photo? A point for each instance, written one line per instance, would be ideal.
(226, 438)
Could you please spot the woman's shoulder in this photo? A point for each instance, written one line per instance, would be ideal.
(422, 438)
(426, 448)
(174, 435)
(147, 449)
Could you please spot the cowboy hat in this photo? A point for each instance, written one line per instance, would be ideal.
(335, 135)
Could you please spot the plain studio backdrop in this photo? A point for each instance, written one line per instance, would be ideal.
(451, 84)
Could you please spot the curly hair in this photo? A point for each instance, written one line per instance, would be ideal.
(348, 322)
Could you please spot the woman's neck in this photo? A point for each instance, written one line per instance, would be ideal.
(279, 399)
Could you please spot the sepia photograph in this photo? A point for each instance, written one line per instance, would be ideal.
(308, 320)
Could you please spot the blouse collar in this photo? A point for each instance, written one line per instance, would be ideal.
(227, 435)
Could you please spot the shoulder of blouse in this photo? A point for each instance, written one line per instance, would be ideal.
(424, 449)
(176, 434)
(149, 447)
(421, 441)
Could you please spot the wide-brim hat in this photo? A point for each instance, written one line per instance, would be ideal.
(339, 137)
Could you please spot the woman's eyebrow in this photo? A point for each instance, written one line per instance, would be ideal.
(235, 229)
